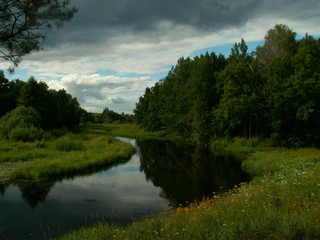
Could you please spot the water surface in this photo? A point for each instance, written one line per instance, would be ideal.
(158, 175)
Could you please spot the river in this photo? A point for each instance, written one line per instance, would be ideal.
(159, 175)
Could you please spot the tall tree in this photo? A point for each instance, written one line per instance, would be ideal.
(292, 94)
(203, 91)
(236, 114)
(147, 109)
(23, 24)
(177, 99)
(5, 101)
(66, 111)
(35, 94)
(279, 40)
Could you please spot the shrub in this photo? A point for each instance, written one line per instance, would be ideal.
(41, 144)
(59, 132)
(20, 117)
(69, 143)
(26, 134)
(219, 144)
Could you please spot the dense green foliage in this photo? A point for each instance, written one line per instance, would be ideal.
(22, 124)
(28, 108)
(271, 93)
(107, 116)
(31, 105)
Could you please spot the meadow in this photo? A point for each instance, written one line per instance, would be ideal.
(63, 156)
(281, 202)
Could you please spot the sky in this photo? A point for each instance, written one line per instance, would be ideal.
(112, 50)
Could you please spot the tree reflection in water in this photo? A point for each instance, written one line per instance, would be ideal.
(184, 173)
(188, 173)
(35, 192)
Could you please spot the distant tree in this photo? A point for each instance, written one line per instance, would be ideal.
(109, 116)
(23, 24)
(87, 117)
(278, 41)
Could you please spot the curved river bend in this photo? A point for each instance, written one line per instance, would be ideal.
(158, 175)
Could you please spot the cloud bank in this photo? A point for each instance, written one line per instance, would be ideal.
(112, 50)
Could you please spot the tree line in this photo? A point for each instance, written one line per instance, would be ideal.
(272, 92)
(107, 116)
(28, 109)
(32, 105)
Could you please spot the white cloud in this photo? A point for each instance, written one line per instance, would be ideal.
(128, 40)
(96, 92)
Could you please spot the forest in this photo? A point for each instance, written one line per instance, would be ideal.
(30, 109)
(270, 93)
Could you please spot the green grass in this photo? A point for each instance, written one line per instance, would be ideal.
(281, 202)
(134, 131)
(68, 155)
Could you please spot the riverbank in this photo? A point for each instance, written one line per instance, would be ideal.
(64, 156)
(281, 202)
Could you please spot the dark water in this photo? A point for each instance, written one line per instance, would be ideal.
(158, 175)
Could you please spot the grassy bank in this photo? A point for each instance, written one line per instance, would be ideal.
(136, 132)
(67, 155)
(282, 202)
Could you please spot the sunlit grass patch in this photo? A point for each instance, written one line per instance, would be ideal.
(67, 155)
(95, 152)
(19, 151)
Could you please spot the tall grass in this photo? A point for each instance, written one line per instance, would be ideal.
(69, 143)
(282, 202)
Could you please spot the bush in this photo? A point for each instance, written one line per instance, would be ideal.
(219, 144)
(26, 134)
(20, 118)
(59, 132)
(69, 143)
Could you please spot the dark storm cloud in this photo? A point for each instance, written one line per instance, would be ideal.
(98, 20)
(98, 55)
